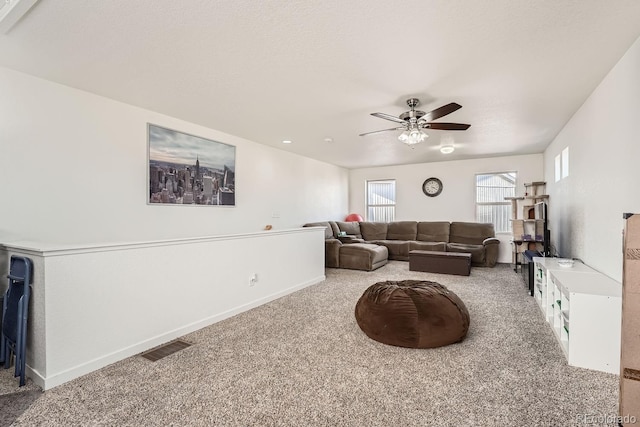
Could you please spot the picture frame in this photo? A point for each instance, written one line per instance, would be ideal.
(185, 169)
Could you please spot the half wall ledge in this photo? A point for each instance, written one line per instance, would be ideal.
(96, 304)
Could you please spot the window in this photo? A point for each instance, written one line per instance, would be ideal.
(565, 162)
(491, 189)
(381, 200)
(562, 164)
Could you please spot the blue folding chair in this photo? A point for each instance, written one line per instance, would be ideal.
(15, 311)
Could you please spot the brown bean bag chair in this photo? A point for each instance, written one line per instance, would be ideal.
(412, 313)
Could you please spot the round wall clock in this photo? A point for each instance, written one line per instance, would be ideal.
(432, 187)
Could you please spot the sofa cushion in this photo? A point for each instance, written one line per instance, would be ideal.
(476, 251)
(374, 230)
(335, 228)
(398, 249)
(428, 246)
(351, 228)
(472, 233)
(402, 230)
(433, 231)
(328, 231)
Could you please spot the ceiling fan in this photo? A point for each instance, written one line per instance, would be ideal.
(415, 121)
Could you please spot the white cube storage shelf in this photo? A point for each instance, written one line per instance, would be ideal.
(543, 294)
(583, 308)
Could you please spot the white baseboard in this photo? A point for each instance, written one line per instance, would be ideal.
(62, 377)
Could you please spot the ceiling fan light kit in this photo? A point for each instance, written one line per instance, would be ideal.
(415, 121)
(412, 137)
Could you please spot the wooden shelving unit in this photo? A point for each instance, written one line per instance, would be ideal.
(528, 232)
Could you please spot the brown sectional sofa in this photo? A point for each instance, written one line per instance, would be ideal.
(356, 255)
(401, 237)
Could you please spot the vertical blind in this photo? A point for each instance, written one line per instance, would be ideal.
(491, 189)
(381, 200)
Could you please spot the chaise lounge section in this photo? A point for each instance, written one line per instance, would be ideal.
(401, 237)
(363, 256)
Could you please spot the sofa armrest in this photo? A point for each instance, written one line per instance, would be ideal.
(491, 250)
(350, 239)
(490, 241)
(332, 253)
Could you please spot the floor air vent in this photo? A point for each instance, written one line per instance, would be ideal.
(165, 350)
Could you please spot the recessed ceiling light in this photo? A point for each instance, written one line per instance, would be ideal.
(328, 139)
(447, 149)
(286, 141)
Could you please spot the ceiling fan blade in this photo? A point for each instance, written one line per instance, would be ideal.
(446, 126)
(388, 117)
(379, 131)
(441, 112)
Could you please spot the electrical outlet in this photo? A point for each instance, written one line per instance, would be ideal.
(253, 279)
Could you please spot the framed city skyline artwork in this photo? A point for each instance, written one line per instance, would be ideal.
(186, 169)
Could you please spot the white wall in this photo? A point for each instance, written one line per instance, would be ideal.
(457, 200)
(604, 150)
(73, 167)
(95, 305)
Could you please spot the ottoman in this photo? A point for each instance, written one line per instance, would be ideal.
(363, 256)
(412, 313)
(440, 262)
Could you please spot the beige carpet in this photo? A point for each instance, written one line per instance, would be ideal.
(302, 360)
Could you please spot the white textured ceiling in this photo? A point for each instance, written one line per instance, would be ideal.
(307, 70)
